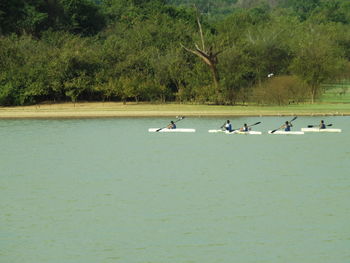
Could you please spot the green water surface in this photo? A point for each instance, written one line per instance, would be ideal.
(106, 190)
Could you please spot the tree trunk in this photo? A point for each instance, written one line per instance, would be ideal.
(216, 80)
(313, 93)
(215, 75)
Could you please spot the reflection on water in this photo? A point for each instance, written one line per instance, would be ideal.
(106, 190)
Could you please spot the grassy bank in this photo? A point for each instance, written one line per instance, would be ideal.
(111, 109)
(336, 93)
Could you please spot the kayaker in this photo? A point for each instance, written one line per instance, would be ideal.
(245, 128)
(172, 125)
(228, 126)
(287, 126)
(322, 125)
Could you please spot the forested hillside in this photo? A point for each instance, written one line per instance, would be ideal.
(191, 51)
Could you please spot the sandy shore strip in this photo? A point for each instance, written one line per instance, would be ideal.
(114, 109)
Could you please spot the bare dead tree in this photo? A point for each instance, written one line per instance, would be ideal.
(208, 56)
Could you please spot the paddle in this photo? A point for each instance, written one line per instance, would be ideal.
(222, 126)
(311, 126)
(254, 124)
(179, 119)
(282, 125)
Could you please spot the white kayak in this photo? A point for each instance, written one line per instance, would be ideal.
(248, 132)
(287, 132)
(236, 132)
(171, 130)
(319, 130)
(216, 131)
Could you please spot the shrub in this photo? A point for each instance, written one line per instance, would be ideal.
(280, 90)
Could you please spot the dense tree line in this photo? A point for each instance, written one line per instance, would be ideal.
(272, 51)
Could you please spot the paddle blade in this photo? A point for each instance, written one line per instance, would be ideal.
(329, 125)
(310, 126)
(294, 118)
(256, 123)
(274, 130)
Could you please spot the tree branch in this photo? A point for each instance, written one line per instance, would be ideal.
(200, 28)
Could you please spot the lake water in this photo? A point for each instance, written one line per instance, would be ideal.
(106, 190)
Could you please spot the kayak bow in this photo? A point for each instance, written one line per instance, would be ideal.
(319, 130)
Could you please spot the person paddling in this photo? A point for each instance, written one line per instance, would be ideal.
(245, 128)
(172, 125)
(322, 125)
(228, 126)
(287, 126)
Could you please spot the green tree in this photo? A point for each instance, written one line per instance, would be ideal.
(81, 17)
(19, 16)
(317, 59)
(337, 11)
(303, 9)
(10, 13)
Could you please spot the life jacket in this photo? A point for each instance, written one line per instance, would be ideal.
(287, 128)
(228, 127)
(323, 126)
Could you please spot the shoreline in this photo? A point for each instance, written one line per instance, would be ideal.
(116, 109)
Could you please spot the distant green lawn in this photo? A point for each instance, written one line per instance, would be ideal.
(336, 93)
